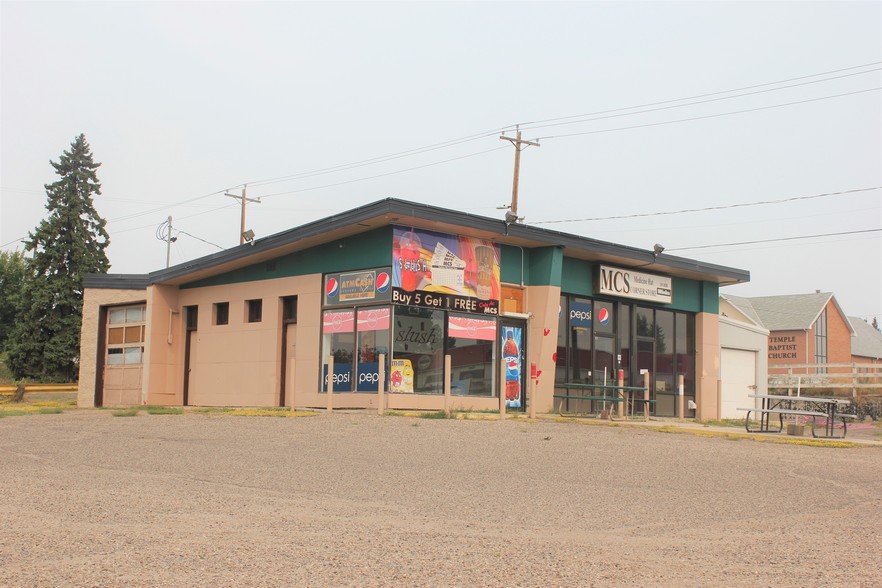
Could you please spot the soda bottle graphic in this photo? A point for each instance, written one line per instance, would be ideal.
(512, 357)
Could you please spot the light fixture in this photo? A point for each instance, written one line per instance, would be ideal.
(248, 236)
(657, 250)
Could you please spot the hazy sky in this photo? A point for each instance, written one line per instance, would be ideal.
(659, 107)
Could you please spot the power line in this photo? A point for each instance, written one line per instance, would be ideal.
(775, 240)
(668, 122)
(721, 207)
(710, 94)
(199, 239)
(385, 174)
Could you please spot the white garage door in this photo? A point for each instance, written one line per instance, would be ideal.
(738, 375)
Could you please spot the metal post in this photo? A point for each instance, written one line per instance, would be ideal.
(646, 395)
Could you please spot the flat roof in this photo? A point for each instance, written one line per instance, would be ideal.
(393, 211)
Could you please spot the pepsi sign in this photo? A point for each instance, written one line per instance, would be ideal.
(349, 288)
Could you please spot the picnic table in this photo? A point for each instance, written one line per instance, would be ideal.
(619, 397)
(806, 406)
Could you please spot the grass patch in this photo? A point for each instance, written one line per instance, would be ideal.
(27, 408)
(164, 410)
(722, 423)
(437, 414)
(125, 412)
(260, 412)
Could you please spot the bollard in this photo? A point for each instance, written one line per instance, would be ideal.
(531, 393)
(681, 398)
(447, 376)
(330, 383)
(381, 385)
(646, 395)
(502, 390)
(620, 380)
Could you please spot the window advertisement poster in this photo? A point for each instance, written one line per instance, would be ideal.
(401, 376)
(580, 314)
(338, 336)
(371, 285)
(446, 272)
(372, 325)
(512, 344)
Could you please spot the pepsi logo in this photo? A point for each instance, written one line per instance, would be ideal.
(332, 287)
(383, 282)
(603, 316)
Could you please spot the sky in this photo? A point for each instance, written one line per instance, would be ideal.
(642, 110)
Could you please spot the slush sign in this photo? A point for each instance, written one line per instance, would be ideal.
(626, 283)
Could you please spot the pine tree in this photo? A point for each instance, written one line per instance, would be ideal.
(45, 342)
(875, 324)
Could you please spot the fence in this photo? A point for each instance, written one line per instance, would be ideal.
(41, 388)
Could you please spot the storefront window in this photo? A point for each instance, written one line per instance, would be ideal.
(685, 358)
(417, 351)
(663, 378)
(338, 340)
(373, 340)
(560, 369)
(580, 318)
(471, 343)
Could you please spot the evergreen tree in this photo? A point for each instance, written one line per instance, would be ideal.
(13, 268)
(45, 342)
(875, 324)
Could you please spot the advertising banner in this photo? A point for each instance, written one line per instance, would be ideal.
(447, 272)
(371, 285)
(511, 355)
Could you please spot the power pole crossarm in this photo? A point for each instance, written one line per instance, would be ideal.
(244, 200)
(519, 145)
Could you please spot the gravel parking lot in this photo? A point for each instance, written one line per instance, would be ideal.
(350, 499)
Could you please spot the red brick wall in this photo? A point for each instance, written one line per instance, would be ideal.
(788, 348)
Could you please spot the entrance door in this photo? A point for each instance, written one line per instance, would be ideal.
(192, 318)
(289, 345)
(513, 345)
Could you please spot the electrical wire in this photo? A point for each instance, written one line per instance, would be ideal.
(540, 123)
(707, 208)
(668, 122)
(385, 174)
(199, 239)
(776, 240)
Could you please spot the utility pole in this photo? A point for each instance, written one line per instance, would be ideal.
(168, 242)
(244, 200)
(517, 142)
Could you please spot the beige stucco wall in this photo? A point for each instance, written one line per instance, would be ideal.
(707, 366)
(238, 364)
(93, 300)
(544, 303)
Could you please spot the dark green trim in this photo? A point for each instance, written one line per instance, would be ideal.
(371, 249)
(577, 277)
(545, 266)
(514, 265)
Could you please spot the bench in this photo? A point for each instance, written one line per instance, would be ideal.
(764, 420)
(613, 399)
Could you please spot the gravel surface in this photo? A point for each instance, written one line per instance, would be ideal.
(350, 499)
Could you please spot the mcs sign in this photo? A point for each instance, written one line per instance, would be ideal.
(626, 283)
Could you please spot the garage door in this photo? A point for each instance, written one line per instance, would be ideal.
(738, 375)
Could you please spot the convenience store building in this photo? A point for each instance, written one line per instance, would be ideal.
(262, 324)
